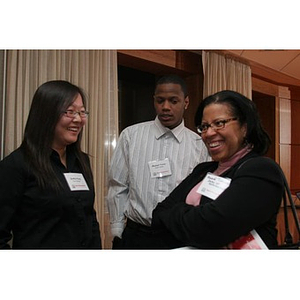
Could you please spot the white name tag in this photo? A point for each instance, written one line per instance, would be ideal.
(160, 168)
(213, 186)
(76, 182)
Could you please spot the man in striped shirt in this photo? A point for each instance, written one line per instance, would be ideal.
(150, 160)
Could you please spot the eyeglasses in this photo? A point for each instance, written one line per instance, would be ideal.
(217, 125)
(72, 113)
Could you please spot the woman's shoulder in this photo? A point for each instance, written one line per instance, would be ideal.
(259, 165)
(16, 157)
(14, 164)
(258, 161)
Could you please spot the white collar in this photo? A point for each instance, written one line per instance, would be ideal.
(162, 130)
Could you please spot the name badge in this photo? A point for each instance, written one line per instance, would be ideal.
(213, 186)
(160, 168)
(76, 182)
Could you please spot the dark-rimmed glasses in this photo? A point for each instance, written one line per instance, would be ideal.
(216, 125)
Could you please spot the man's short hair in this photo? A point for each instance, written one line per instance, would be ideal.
(175, 79)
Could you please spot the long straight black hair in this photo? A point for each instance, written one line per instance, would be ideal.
(48, 103)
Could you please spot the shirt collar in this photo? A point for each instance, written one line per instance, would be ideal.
(71, 158)
(162, 130)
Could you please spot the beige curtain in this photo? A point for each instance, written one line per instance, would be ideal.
(225, 73)
(93, 70)
(2, 92)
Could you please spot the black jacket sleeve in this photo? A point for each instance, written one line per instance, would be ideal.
(12, 181)
(251, 201)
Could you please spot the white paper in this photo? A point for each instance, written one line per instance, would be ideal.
(76, 182)
(160, 168)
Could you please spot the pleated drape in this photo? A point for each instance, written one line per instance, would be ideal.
(225, 73)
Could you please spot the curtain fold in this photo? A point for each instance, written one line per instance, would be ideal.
(225, 73)
(93, 70)
(2, 99)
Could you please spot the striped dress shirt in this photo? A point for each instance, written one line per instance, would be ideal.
(132, 192)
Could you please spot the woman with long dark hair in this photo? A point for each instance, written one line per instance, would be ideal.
(46, 185)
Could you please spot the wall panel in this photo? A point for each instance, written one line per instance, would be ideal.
(295, 168)
(295, 122)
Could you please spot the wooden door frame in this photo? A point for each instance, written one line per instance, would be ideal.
(185, 63)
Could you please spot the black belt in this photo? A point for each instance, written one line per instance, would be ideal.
(137, 226)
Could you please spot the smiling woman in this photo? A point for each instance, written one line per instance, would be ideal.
(224, 200)
(69, 127)
(222, 134)
(46, 185)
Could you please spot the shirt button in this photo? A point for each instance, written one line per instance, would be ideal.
(78, 199)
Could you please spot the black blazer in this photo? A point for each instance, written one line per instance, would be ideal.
(250, 202)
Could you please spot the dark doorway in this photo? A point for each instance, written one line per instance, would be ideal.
(135, 92)
(266, 109)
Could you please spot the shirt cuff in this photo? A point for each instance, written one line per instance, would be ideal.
(117, 230)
